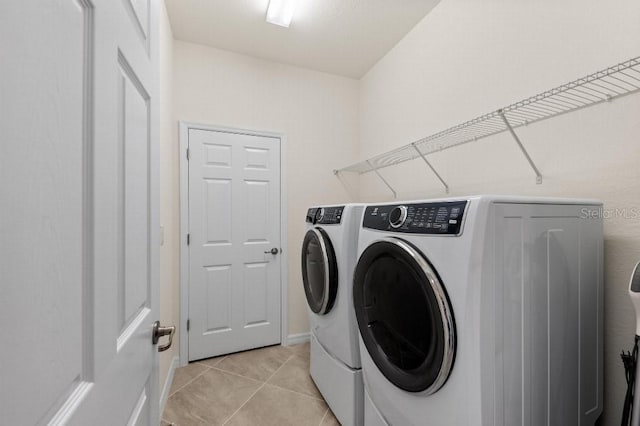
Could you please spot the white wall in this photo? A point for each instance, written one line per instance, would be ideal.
(470, 57)
(169, 203)
(317, 112)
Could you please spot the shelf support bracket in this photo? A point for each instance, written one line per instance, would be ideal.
(345, 183)
(524, 151)
(375, 170)
(424, 158)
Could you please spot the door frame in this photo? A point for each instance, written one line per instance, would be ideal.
(184, 127)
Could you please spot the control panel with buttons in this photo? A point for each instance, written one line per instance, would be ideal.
(325, 215)
(420, 218)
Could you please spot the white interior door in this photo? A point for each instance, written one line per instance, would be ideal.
(78, 213)
(234, 223)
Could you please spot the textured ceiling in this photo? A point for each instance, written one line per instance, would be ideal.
(344, 37)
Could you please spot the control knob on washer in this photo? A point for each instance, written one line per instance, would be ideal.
(319, 214)
(397, 216)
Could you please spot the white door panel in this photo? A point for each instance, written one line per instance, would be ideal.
(78, 212)
(42, 216)
(234, 218)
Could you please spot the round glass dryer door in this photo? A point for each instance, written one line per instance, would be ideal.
(404, 316)
(319, 271)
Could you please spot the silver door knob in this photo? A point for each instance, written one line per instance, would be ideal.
(272, 251)
(159, 331)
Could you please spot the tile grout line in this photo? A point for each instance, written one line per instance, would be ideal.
(292, 354)
(190, 381)
(321, 398)
(237, 375)
(242, 375)
(295, 391)
(223, 357)
(325, 415)
(257, 390)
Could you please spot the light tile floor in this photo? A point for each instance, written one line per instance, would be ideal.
(268, 386)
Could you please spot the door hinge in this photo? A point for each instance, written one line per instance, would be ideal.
(188, 324)
(187, 154)
(188, 239)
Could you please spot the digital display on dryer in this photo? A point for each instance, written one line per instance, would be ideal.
(421, 218)
(325, 215)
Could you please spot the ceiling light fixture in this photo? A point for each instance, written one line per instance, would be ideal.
(280, 12)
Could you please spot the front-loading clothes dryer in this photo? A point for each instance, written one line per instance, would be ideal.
(328, 260)
(481, 311)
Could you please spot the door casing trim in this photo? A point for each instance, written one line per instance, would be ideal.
(184, 127)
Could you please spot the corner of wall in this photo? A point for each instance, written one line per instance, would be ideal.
(168, 200)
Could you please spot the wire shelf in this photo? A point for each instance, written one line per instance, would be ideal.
(602, 86)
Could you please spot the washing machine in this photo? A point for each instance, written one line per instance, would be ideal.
(328, 260)
(481, 311)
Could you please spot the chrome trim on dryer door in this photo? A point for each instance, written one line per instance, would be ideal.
(445, 311)
(325, 258)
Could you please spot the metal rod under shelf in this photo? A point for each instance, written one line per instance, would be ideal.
(522, 148)
(446, 187)
(383, 179)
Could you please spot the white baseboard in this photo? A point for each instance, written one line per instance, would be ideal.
(294, 339)
(167, 383)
